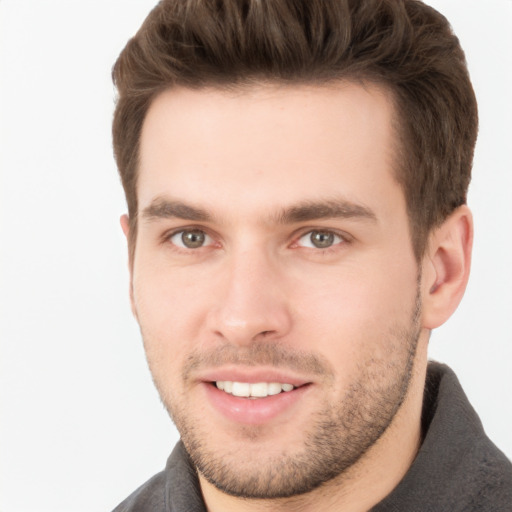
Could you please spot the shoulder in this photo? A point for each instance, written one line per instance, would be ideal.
(490, 480)
(176, 489)
(476, 475)
(148, 497)
(457, 468)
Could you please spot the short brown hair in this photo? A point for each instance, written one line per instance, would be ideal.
(404, 45)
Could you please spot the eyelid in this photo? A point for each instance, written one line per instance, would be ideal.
(168, 235)
(345, 237)
(214, 240)
(179, 243)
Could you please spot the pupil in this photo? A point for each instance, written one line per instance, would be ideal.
(193, 239)
(322, 239)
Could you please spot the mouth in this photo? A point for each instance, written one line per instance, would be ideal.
(254, 395)
(253, 390)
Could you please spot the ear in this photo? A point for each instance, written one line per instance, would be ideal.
(446, 267)
(125, 226)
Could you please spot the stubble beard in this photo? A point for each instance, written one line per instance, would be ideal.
(339, 435)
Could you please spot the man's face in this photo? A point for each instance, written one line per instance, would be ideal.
(273, 259)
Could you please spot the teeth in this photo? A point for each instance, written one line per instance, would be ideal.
(274, 388)
(241, 389)
(257, 390)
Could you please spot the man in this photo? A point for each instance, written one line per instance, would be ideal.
(296, 177)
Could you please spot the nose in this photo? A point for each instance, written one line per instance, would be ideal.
(252, 301)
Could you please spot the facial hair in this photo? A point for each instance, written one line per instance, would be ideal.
(339, 433)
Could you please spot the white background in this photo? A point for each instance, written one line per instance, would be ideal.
(80, 423)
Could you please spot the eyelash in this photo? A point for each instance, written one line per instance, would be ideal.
(343, 239)
(168, 236)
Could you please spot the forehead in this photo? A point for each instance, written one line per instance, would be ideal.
(266, 146)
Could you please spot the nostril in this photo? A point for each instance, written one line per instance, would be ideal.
(266, 334)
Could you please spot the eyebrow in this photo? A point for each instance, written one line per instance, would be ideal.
(172, 209)
(162, 208)
(326, 209)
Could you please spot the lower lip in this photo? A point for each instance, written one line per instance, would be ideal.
(253, 411)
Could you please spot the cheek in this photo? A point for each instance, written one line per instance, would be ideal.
(169, 312)
(355, 313)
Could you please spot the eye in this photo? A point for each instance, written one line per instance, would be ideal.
(319, 239)
(191, 239)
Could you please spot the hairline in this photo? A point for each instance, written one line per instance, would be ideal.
(399, 152)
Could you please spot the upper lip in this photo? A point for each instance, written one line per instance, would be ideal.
(252, 375)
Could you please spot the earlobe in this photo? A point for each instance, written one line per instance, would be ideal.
(446, 267)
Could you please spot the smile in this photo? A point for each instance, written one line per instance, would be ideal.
(262, 400)
(253, 390)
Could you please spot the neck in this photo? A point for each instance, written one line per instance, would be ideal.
(368, 481)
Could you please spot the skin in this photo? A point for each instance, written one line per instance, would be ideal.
(240, 172)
